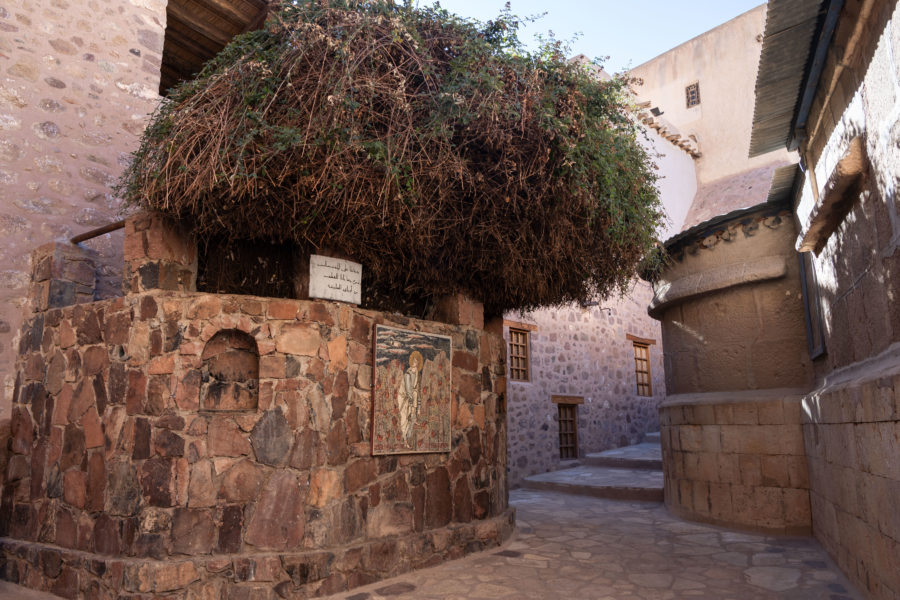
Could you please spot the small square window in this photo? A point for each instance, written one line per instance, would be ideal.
(642, 369)
(518, 355)
(692, 94)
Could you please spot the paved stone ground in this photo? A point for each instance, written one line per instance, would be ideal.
(582, 548)
(647, 452)
(9, 591)
(602, 482)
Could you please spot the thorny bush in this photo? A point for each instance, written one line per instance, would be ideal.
(434, 150)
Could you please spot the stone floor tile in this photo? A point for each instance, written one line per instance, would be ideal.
(625, 550)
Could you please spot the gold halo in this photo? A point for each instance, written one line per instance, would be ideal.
(416, 356)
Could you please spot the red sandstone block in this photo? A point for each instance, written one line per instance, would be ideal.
(318, 312)
(298, 338)
(205, 306)
(135, 247)
(162, 365)
(465, 361)
(252, 307)
(272, 366)
(283, 309)
(226, 439)
(361, 329)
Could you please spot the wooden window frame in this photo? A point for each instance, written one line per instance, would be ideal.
(642, 388)
(519, 362)
(688, 97)
(567, 434)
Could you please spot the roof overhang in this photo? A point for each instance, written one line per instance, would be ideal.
(797, 35)
(196, 30)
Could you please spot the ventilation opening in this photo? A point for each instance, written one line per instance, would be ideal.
(247, 267)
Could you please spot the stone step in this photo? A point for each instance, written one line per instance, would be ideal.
(601, 482)
(651, 437)
(639, 456)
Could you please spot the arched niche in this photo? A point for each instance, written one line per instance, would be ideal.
(230, 372)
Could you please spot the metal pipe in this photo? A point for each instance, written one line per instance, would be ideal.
(97, 232)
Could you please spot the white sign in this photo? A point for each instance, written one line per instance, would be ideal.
(335, 279)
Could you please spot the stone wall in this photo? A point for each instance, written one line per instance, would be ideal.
(852, 432)
(852, 420)
(737, 366)
(737, 460)
(77, 81)
(731, 307)
(583, 352)
(177, 444)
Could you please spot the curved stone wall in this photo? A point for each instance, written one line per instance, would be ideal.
(731, 307)
(737, 366)
(123, 482)
(737, 460)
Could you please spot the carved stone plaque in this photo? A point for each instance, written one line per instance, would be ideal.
(335, 279)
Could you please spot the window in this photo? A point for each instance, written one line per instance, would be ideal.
(568, 431)
(518, 354)
(642, 369)
(567, 410)
(692, 94)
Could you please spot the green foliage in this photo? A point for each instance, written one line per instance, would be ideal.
(435, 150)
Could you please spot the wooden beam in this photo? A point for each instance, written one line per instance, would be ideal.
(567, 399)
(518, 325)
(639, 340)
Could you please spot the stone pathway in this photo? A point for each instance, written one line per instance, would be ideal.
(10, 591)
(582, 548)
(627, 473)
(647, 455)
(601, 482)
(577, 547)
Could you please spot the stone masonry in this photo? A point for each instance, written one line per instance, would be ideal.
(174, 444)
(851, 420)
(77, 81)
(583, 352)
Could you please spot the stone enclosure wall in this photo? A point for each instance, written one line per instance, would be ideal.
(173, 444)
(737, 460)
(583, 352)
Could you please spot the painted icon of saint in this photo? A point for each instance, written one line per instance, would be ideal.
(408, 396)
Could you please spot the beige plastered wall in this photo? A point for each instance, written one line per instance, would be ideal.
(677, 183)
(724, 62)
(78, 79)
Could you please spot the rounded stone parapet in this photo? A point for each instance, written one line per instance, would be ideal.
(737, 459)
(730, 304)
(181, 444)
